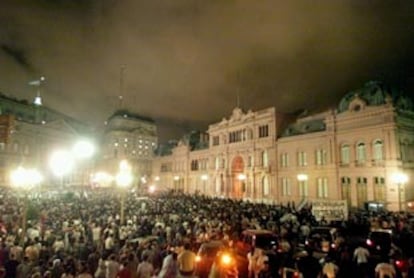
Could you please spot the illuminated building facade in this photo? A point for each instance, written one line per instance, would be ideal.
(352, 153)
(131, 137)
(28, 134)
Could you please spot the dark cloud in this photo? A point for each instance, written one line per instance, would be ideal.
(187, 61)
(17, 55)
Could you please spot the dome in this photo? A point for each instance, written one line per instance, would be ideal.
(375, 93)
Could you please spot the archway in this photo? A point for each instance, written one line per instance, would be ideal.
(238, 178)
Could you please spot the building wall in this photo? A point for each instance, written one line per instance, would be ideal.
(35, 133)
(132, 138)
(307, 159)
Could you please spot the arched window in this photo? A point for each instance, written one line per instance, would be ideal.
(265, 186)
(361, 153)
(378, 150)
(345, 155)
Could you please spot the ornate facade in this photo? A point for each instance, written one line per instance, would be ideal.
(350, 153)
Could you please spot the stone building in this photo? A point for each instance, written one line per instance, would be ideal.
(30, 132)
(130, 137)
(352, 153)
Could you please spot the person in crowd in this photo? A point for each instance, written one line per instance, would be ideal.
(186, 261)
(385, 269)
(145, 268)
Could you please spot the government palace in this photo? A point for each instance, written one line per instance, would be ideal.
(360, 152)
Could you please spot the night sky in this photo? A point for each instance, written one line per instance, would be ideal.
(185, 62)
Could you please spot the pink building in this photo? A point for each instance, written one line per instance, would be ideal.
(361, 152)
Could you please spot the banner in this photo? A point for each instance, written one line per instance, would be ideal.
(331, 210)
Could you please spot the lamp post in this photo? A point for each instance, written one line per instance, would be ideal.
(123, 181)
(400, 179)
(61, 162)
(25, 179)
(83, 150)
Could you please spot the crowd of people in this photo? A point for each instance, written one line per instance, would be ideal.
(80, 233)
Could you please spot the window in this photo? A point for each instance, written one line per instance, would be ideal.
(286, 189)
(361, 191)
(378, 152)
(346, 189)
(302, 159)
(321, 157)
(217, 163)
(284, 160)
(379, 189)
(263, 131)
(194, 165)
(322, 187)
(216, 140)
(345, 155)
(235, 136)
(265, 186)
(361, 153)
(303, 188)
(265, 159)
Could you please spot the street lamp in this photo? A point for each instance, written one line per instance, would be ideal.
(400, 179)
(25, 179)
(83, 149)
(123, 180)
(61, 162)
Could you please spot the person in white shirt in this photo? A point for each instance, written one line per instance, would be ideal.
(361, 255)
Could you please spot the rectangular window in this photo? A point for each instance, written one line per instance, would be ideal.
(263, 131)
(284, 160)
(322, 187)
(379, 189)
(303, 188)
(302, 159)
(286, 190)
(321, 157)
(216, 140)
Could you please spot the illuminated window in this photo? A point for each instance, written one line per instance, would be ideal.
(346, 189)
(284, 160)
(265, 159)
(378, 150)
(379, 189)
(286, 188)
(345, 155)
(303, 188)
(265, 185)
(322, 187)
(361, 152)
(321, 157)
(361, 191)
(302, 159)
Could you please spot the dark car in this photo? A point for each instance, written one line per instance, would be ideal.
(206, 255)
(322, 239)
(379, 242)
(263, 239)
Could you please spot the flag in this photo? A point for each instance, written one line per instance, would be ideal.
(35, 83)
